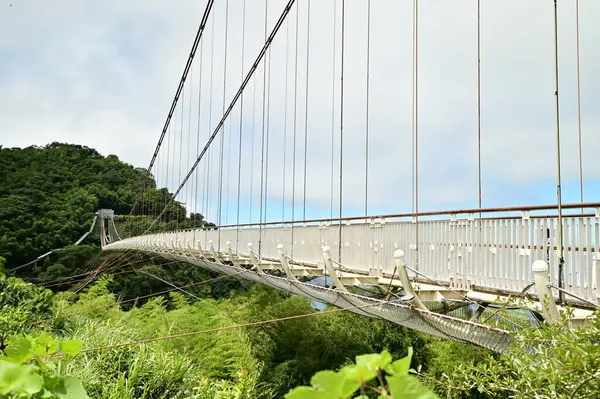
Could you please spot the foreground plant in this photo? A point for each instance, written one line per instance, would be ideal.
(374, 373)
(551, 361)
(24, 372)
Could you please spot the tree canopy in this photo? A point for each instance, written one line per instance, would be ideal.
(49, 194)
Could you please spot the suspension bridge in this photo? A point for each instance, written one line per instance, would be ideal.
(271, 138)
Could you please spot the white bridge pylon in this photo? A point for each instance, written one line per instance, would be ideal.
(482, 260)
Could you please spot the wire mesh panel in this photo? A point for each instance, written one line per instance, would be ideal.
(400, 313)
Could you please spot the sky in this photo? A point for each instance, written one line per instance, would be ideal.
(103, 74)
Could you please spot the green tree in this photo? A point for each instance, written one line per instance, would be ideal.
(553, 361)
(48, 197)
(21, 303)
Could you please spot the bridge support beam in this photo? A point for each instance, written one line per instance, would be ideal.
(285, 264)
(232, 257)
(253, 259)
(542, 285)
(406, 284)
(331, 270)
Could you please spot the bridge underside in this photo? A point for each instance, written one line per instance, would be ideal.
(398, 310)
(442, 284)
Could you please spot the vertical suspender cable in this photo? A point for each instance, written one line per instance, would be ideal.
(262, 141)
(182, 110)
(294, 131)
(416, 126)
(189, 189)
(268, 130)
(367, 111)
(220, 206)
(156, 175)
(412, 127)
(333, 104)
(479, 202)
(199, 34)
(198, 140)
(306, 108)
(237, 95)
(252, 149)
(239, 182)
(228, 178)
(167, 171)
(342, 127)
(561, 259)
(174, 132)
(210, 107)
(579, 103)
(285, 113)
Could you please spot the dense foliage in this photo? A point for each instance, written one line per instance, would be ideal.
(48, 196)
(27, 369)
(263, 361)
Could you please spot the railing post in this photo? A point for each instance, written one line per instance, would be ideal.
(542, 285)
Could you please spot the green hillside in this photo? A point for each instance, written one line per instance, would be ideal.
(48, 196)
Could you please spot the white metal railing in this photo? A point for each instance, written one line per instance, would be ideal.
(493, 254)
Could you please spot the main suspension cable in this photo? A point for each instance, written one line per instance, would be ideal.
(199, 33)
(260, 56)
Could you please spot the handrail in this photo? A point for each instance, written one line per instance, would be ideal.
(586, 205)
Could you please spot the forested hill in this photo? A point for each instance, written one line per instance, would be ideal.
(48, 196)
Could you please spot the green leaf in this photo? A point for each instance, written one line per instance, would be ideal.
(335, 385)
(375, 361)
(71, 388)
(32, 384)
(18, 350)
(18, 378)
(405, 386)
(401, 366)
(358, 372)
(45, 345)
(304, 393)
(71, 348)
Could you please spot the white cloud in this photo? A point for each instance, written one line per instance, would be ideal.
(103, 74)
